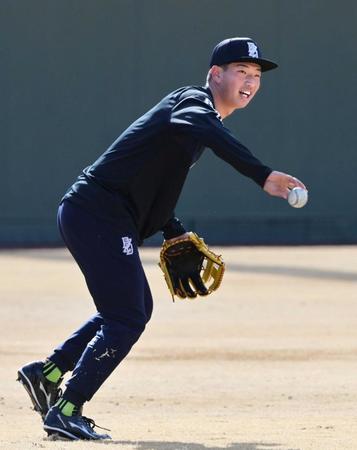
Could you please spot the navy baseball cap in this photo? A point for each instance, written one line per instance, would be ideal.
(240, 49)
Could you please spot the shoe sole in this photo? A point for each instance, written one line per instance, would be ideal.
(22, 378)
(53, 431)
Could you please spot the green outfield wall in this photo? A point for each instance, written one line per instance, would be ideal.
(75, 73)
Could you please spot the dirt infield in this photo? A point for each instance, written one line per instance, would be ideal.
(267, 363)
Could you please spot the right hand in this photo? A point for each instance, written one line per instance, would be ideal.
(279, 184)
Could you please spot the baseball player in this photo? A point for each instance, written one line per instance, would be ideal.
(128, 194)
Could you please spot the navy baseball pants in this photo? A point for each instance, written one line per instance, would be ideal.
(107, 255)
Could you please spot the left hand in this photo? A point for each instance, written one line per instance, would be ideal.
(190, 267)
(279, 184)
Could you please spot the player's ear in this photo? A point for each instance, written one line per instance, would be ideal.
(216, 73)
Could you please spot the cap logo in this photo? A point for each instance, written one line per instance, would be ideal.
(252, 50)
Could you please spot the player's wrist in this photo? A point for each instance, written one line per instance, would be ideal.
(177, 238)
(173, 229)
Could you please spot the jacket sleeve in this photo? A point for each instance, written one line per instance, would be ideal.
(197, 117)
(173, 228)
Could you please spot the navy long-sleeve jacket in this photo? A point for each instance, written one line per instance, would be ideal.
(146, 167)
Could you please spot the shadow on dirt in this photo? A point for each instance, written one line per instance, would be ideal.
(280, 270)
(162, 445)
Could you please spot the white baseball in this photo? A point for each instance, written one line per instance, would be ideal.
(297, 197)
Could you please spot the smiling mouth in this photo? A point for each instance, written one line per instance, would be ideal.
(245, 94)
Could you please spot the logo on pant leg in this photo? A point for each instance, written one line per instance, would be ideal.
(127, 245)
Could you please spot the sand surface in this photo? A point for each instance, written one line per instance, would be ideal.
(267, 363)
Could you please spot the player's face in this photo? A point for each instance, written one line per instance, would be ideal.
(238, 84)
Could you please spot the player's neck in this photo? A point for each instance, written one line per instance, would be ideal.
(223, 109)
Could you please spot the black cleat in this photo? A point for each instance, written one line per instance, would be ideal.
(43, 393)
(75, 427)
